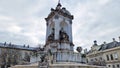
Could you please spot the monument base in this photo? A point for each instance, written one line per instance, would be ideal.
(60, 65)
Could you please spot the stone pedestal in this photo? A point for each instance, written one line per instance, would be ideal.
(68, 57)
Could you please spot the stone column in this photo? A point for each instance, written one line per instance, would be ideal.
(71, 33)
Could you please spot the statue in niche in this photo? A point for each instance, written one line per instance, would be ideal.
(51, 36)
(63, 36)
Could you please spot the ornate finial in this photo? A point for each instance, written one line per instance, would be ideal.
(95, 42)
(58, 1)
(58, 6)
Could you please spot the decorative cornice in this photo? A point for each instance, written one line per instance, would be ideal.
(59, 12)
(61, 49)
(58, 41)
(50, 16)
(104, 51)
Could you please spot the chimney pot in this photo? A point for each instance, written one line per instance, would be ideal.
(113, 39)
(119, 38)
(104, 42)
(10, 44)
(28, 46)
(95, 42)
(5, 43)
(24, 45)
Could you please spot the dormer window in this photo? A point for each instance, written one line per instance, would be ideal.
(115, 56)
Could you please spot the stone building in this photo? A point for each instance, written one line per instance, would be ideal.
(106, 54)
(11, 54)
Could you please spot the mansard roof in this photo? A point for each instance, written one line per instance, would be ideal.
(109, 45)
(20, 47)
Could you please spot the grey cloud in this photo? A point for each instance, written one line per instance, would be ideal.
(94, 20)
(103, 27)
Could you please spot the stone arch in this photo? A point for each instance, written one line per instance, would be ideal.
(52, 25)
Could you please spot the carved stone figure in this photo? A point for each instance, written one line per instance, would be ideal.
(63, 36)
(42, 58)
(79, 49)
(51, 37)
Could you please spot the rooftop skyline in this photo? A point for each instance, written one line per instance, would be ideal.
(22, 21)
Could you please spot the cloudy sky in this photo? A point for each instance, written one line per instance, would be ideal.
(22, 21)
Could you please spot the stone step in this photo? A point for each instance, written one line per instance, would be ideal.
(43, 66)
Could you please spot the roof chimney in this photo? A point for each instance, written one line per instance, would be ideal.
(119, 38)
(95, 42)
(10, 44)
(24, 45)
(104, 43)
(28, 46)
(4, 43)
(113, 39)
(85, 51)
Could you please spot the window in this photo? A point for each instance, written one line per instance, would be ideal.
(107, 57)
(111, 57)
(118, 66)
(91, 59)
(116, 56)
(113, 66)
(95, 59)
(100, 58)
(108, 65)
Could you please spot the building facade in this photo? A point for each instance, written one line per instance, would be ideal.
(106, 54)
(11, 54)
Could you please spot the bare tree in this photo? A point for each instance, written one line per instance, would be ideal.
(27, 57)
(9, 57)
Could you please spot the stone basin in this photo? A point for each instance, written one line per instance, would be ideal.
(59, 65)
